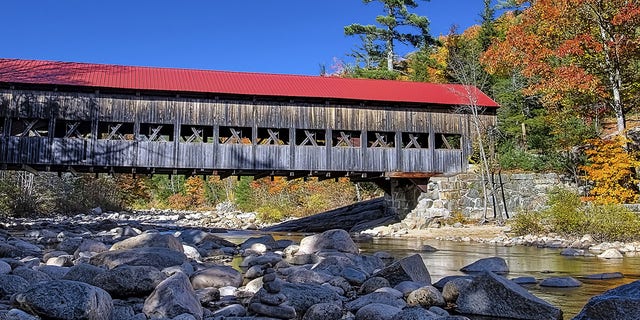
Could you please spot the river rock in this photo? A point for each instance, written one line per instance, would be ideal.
(31, 275)
(336, 239)
(415, 313)
(302, 296)
(494, 296)
(4, 267)
(129, 281)
(372, 284)
(17, 314)
(411, 268)
(452, 289)
(9, 251)
(308, 276)
(64, 299)
(524, 280)
(154, 257)
(149, 240)
(197, 237)
(377, 311)
(217, 277)
(266, 240)
(621, 303)
(324, 311)
(375, 297)
(604, 276)
(572, 252)
(89, 247)
(493, 264)
(83, 272)
(426, 297)
(55, 272)
(234, 310)
(10, 284)
(560, 282)
(406, 287)
(611, 254)
(173, 297)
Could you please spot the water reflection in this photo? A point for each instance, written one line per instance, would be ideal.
(522, 261)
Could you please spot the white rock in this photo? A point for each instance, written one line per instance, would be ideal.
(611, 254)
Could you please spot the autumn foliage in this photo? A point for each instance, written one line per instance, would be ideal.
(611, 169)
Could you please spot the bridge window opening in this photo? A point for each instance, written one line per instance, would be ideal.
(381, 139)
(346, 139)
(415, 140)
(73, 129)
(30, 128)
(269, 136)
(196, 134)
(448, 141)
(115, 131)
(314, 138)
(235, 135)
(156, 132)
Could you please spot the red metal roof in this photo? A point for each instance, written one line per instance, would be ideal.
(238, 83)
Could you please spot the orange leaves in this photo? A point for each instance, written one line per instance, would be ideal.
(610, 168)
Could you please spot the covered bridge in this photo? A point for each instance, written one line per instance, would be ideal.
(81, 117)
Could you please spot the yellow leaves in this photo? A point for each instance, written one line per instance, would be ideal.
(610, 168)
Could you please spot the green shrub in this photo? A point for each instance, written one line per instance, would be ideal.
(272, 213)
(527, 223)
(566, 212)
(612, 223)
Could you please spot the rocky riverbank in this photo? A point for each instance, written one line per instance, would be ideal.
(158, 266)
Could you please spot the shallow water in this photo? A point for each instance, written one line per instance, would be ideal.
(522, 261)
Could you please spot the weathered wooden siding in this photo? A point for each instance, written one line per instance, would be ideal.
(106, 131)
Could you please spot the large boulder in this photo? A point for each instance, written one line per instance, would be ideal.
(10, 284)
(83, 272)
(89, 247)
(173, 297)
(217, 277)
(377, 311)
(378, 298)
(155, 257)
(493, 264)
(302, 296)
(621, 303)
(426, 297)
(149, 240)
(411, 268)
(494, 296)
(324, 311)
(129, 281)
(336, 239)
(68, 300)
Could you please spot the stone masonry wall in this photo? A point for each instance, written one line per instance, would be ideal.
(463, 193)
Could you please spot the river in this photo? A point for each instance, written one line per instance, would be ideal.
(540, 263)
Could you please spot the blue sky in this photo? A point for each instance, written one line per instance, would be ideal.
(273, 36)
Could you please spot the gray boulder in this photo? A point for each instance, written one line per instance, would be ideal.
(372, 284)
(55, 272)
(4, 267)
(560, 282)
(377, 311)
(426, 297)
(129, 281)
(621, 303)
(89, 247)
(10, 284)
(217, 277)
(375, 297)
(415, 313)
(173, 297)
(64, 299)
(411, 268)
(83, 272)
(17, 314)
(32, 276)
(197, 237)
(493, 264)
(234, 310)
(452, 289)
(604, 276)
(155, 257)
(494, 296)
(302, 296)
(149, 240)
(324, 311)
(336, 239)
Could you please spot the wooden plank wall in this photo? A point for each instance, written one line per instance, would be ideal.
(175, 115)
